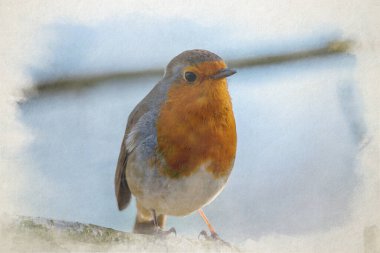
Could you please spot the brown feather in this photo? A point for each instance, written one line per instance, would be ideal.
(123, 194)
(122, 191)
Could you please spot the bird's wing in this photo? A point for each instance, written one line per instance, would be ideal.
(122, 191)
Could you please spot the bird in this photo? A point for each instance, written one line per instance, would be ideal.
(179, 145)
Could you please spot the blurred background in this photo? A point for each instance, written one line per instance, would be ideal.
(298, 127)
(296, 97)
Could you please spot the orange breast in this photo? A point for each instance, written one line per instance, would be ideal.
(196, 127)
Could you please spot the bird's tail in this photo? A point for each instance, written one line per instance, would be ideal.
(144, 223)
(148, 227)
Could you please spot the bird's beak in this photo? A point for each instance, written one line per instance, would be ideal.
(223, 73)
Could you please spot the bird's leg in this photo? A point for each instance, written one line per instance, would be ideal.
(213, 235)
(159, 224)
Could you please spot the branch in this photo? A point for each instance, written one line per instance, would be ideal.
(80, 82)
(34, 234)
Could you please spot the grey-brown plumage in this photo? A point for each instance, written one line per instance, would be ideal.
(122, 191)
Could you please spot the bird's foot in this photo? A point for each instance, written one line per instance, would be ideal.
(159, 232)
(212, 237)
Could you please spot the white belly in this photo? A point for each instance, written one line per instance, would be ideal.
(173, 196)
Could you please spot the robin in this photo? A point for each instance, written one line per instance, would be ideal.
(179, 145)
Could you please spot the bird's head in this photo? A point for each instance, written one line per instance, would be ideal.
(197, 67)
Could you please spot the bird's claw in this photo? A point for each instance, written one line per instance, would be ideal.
(212, 237)
(163, 233)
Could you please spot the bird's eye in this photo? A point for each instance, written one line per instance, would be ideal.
(190, 77)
